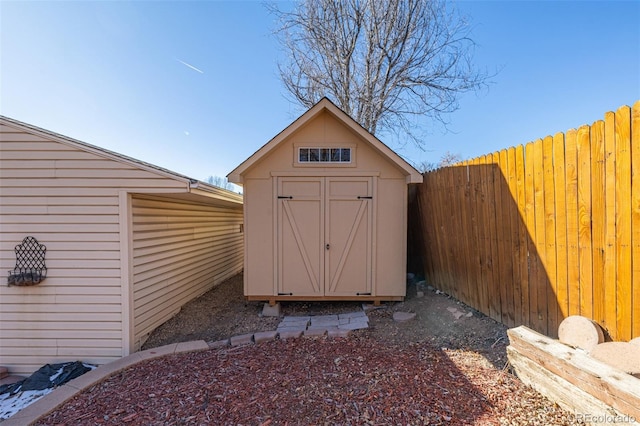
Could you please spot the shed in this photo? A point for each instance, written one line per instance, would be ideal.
(127, 244)
(325, 212)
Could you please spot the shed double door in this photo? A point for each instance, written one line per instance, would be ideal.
(324, 234)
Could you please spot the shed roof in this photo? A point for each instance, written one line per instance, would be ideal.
(193, 186)
(412, 175)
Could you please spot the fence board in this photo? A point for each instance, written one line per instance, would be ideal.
(495, 308)
(530, 221)
(485, 251)
(550, 234)
(522, 237)
(598, 219)
(610, 311)
(584, 223)
(473, 273)
(623, 222)
(514, 217)
(532, 234)
(559, 178)
(571, 167)
(504, 199)
(635, 217)
(464, 232)
(451, 259)
(540, 242)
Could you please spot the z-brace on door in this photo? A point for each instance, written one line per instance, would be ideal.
(324, 236)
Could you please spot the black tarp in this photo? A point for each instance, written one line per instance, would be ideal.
(47, 376)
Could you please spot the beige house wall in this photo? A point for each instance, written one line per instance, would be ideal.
(180, 250)
(259, 175)
(78, 203)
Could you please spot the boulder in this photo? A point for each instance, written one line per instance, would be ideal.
(580, 332)
(621, 355)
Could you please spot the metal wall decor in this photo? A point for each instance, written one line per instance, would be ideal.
(30, 268)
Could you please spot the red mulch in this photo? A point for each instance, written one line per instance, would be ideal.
(311, 381)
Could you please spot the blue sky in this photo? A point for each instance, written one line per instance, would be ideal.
(193, 86)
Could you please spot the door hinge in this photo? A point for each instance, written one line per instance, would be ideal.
(363, 294)
(365, 197)
(288, 197)
(285, 294)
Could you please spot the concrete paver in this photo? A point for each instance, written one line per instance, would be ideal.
(324, 317)
(293, 334)
(315, 332)
(357, 314)
(242, 339)
(296, 319)
(338, 333)
(354, 326)
(195, 345)
(219, 344)
(264, 336)
(271, 311)
(322, 327)
(324, 323)
(291, 329)
(156, 352)
(347, 321)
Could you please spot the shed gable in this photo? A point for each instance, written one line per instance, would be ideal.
(324, 125)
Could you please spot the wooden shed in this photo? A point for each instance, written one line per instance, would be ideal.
(325, 213)
(127, 244)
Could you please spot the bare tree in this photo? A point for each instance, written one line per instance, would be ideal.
(386, 63)
(426, 166)
(220, 182)
(449, 159)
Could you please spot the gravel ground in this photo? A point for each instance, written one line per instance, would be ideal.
(447, 366)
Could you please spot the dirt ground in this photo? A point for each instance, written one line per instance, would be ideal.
(440, 320)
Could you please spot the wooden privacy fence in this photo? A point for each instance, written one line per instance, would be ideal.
(532, 234)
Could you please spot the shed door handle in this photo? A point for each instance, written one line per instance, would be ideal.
(327, 246)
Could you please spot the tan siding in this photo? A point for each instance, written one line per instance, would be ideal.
(260, 253)
(391, 238)
(68, 199)
(180, 250)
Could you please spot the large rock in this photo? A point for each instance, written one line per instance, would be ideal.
(621, 355)
(580, 332)
(403, 316)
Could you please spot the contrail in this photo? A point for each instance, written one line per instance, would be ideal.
(190, 66)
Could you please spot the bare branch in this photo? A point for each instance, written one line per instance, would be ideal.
(381, 61)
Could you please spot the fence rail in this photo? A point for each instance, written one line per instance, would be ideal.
(535, 233)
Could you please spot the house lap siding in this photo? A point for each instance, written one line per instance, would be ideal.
(68, 199)
(180, 251)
